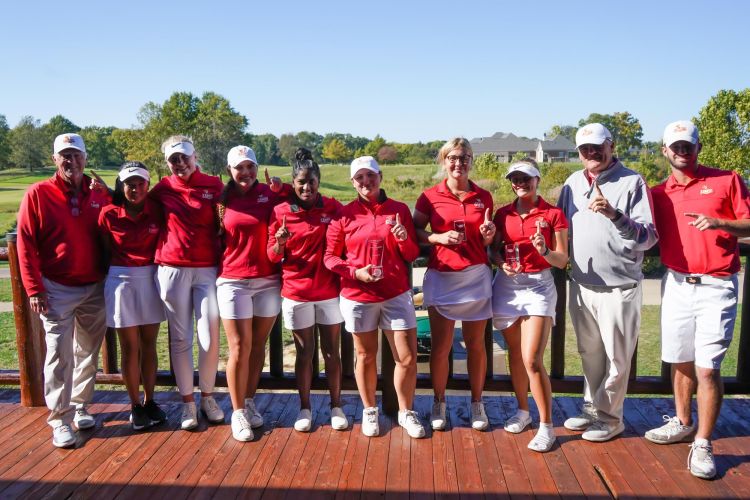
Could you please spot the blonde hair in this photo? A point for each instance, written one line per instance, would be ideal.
(175, 138)
(456, 142)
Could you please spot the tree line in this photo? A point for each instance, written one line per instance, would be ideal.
(215, 126)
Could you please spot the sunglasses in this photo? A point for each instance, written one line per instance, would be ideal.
(520, 179)
(591, 148)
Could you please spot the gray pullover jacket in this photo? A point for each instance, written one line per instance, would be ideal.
(603, 252)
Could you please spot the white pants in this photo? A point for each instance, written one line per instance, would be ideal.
(606, 321)
(188, 292)
(74, 328)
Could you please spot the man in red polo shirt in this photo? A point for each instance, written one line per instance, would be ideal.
(60, 260)
(700, 212)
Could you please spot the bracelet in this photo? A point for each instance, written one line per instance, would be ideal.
(546, 252)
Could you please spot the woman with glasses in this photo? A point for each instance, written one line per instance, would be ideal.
(533, 237)
(457, 285)
(249, 283)
(130, 231)
(370, 246)
(187, 254)
(310, 291)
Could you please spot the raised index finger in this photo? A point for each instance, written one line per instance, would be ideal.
(96, 176)
(283, 221)
(398, 218)
(268, 177)
(487, 215)
(598, 189)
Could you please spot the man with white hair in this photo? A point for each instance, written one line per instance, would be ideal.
(608, 208)
(700, 212)
(62, 272)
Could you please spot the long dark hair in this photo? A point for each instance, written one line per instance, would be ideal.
(118, 195)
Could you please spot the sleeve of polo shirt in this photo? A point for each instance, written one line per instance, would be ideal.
(28, 254)
(335, 249)
(637, 225)
(740, 198)
(409, 248)
(273, 226)
(423, 205)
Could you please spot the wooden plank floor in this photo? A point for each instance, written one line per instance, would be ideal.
(112, 461)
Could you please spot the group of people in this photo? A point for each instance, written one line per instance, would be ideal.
(194, 251)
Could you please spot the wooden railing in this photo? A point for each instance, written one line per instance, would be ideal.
(31, 351)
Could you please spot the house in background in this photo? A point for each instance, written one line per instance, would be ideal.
(505, 146)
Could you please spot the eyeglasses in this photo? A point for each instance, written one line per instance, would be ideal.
(459, 159)
(591, 148)
(682, 148)
(178, 158)
(520, 179)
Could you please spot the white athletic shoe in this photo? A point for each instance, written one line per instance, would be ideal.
(83, 418)
(241, 430)
(189, 418)
(370, 427)
(304, 421)
(438, 419)
(479, 420)
(701, 459)
(211, 410)
(582, 421)
(63, 436)
(409, 420)
(517, 423)
(671, 432)
(338, 419)
(256, 419)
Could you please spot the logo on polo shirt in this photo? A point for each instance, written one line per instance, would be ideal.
(207, 195)
(325, 219)
(390, 220)
(262, 198)
(706, 189)
(153, 228)
(542, 223)
(479, 204)
(94, 204)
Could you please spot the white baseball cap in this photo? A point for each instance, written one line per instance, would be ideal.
(134, 171)
(526, 168)
(366, 162)
(238, 154)
(69, 141)
(183, 147)
(682, 130)
(593, 133)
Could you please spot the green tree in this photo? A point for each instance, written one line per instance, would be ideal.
(28, 148)
(724, 126)
(4, 142)
(567, 131)
(218, 128)
(266, 147)
(372, 147)
(288, 145)
(311, 141)
(336, 151)
(101, 149)
(625, 128)
(387, 154)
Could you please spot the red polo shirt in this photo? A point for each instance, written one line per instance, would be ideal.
(304, 276)
(246, 232)
(189, 235)
(713, 193)
(58, 236)
(360, 221)
(443, 208)
(131, 240)
(516, 229)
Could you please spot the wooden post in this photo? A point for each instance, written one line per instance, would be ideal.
(277, 350)
(30, 340)
(557, 351)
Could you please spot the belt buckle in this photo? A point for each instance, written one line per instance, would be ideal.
(693, 280)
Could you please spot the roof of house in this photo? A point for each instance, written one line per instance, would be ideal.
(506, 142)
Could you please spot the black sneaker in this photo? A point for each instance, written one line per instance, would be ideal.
(155, 413)
(138, 417)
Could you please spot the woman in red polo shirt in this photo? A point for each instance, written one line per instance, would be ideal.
(187, 254)
(532, 237)
(130, 230)
(310, 291)
(249, 283)
(371, 245)
(458, 282)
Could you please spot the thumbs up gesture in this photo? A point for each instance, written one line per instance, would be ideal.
(600, 204)
(273, 182)
(398, 230)
(283, 234)
(487, 229)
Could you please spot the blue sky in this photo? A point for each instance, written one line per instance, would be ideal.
(410, 71)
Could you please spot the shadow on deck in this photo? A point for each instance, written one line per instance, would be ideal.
(113, 461)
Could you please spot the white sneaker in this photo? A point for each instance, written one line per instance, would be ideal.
(211, 410)
(542, 442)
(189, 418)
(602, 431)
(582, 421)
(256, 419)
(438, 419)
(409, 420)
(370, 427)
(701, 459)
(83, 418)
(304, 421)
(517, 423)
(479, 419)
(339, 421)
(63, 436)
(671, 432)
(241, 430)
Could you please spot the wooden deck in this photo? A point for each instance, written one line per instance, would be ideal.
(112, 461)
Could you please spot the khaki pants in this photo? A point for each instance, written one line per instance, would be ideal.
(74, 326)
(607, 322)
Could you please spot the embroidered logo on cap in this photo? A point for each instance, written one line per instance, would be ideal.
(587, 131)
(68, 139)
(679, 128)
